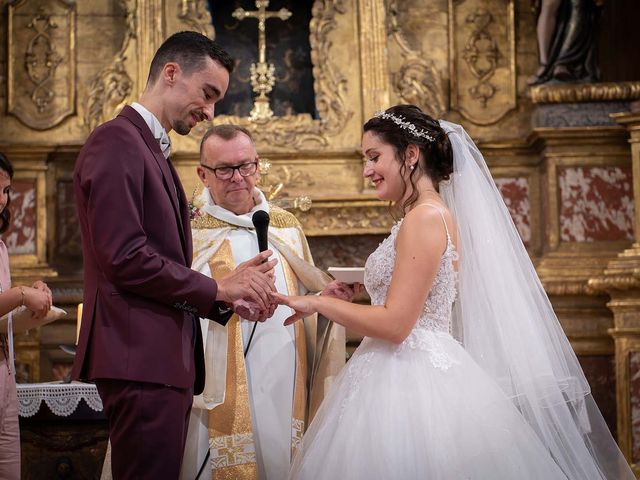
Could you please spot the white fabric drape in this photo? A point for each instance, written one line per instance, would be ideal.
(506, 322)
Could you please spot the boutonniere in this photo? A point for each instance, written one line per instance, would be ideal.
(195, 205)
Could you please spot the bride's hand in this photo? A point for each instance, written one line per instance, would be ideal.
(302, 306)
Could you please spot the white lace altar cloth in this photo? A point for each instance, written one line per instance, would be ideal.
(61, 398)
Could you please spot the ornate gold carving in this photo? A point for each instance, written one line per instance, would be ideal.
(342, 217)
(110, 88)
(418, 82)
(566, 288)
(586, 92)
(617, 282)
(273, 185)
(292, 132)
(622, 273)
(286, 174)
(41, 91)
(482, 59)
(41, 59)
(568, 270)
(195, 14)
(373, 57)
(481, 54)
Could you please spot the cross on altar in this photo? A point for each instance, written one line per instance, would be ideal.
(262, 15)
(262, 73)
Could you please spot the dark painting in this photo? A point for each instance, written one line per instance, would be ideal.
(287, 47)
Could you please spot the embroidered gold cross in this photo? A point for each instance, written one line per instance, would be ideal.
(229, 453)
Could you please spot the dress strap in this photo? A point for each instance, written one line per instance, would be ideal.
(439, 210)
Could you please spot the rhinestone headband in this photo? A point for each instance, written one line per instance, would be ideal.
(405, 125)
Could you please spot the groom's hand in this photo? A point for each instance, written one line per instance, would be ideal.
(251, 282)
(250, 311)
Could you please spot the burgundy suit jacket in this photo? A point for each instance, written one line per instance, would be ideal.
(140, 294)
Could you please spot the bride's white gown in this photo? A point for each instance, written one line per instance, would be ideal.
(422, 409)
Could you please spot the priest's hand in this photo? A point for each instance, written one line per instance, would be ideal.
(302, 305)
(252, 281)
(341, 290)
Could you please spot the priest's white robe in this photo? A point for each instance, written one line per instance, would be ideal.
(277, 416)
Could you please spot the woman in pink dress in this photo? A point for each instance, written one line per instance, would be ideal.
(37, 299)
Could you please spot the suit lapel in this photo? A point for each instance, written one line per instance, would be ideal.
(170, 178)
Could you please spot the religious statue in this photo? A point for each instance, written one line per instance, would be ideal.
(567, 41)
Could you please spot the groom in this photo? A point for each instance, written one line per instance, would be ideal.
(139, 339)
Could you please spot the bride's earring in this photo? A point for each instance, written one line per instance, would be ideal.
(412, 167)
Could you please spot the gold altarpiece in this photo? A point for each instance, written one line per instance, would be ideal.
(70, 65)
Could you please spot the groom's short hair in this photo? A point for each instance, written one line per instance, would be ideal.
(189, 50)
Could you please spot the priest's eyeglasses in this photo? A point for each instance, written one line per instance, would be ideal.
(226, 173)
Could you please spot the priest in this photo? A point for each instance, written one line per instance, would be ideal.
(262, 386)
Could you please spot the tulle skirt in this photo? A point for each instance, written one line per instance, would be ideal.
(419, 412)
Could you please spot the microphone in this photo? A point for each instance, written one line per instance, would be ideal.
(260, 221)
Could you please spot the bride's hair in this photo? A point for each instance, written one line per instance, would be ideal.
(403, 125)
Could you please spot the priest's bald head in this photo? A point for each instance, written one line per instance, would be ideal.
(229, 167)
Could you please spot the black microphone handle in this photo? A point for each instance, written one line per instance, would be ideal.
(260, 220)
(263, 241)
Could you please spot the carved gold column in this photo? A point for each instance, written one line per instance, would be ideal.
(150, 33)
(621, 280)
(373, 57)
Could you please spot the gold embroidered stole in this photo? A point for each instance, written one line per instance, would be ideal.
(231, 439)
(233, 454)
(299, 412)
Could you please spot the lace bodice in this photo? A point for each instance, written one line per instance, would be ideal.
(436, 314)
(432, 326)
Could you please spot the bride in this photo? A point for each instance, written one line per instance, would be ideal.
(464, 371)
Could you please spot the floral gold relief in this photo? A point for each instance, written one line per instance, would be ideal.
(111, 88)
(482, 59)
(417, 81)
(585, 92)
(346, 218)
(41, 79)
(195, 15)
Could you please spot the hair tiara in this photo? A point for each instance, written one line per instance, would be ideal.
(405, 125)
